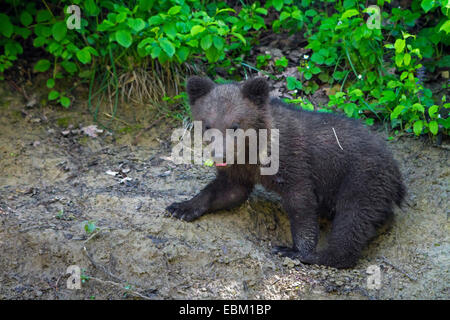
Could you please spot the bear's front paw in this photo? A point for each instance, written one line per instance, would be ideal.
(184, 210)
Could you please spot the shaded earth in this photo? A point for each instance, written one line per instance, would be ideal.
(54, 181)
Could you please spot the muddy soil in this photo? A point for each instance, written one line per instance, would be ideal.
(53, 182)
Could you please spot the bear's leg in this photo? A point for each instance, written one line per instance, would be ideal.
(222, 193)
(358, 216)
(349, 235)
(303, 217)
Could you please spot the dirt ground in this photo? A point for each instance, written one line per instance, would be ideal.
(53, 181)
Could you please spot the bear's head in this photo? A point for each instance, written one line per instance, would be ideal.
(229, 106)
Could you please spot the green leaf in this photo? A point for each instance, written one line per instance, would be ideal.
(284, 15)
(406, 59)
(396, 112)
(43, 15)
(399, 45)
(277, 4)
(349, 108)
(70, 67)
(281, 62)
(356, 93)
(50, 83)
(124, 38)
(399, 60)
(90, 226)
(42, 65)
(419, 107)
(206, 42)
(218, 42)
(445, 27)
(417, 127)
(308, 75)
(167, 46)
(136, 24)
(13, 48)
(388, 95)
(349, 13)
(65, 102)
(174, 10)
(293, 83)
(297, 15)
(197, 29)
(434, 127)
(146, 5)
(42, 31)
(52, 95)
(6, 27)
(432, 111)
(317, 58)
(91, 8)
(192, 43)
(59, 30)
(183, 53)
(145, 42)
(240, 37)
(338, 75)
(84, 56)
(261, 11)
(25, 18)
(404, 75)
(427, 5)
(23, 32)
(170, 29)
(371, 77)
(91, 50)
(310, 13)
(212, 54)
(155, 20)
(121, 17)
(209, 163)
(39, 41)
(156, 51)
(369, 122)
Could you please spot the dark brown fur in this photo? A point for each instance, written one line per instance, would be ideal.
(355, 186)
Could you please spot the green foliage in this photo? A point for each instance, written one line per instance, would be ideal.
(167, 31)
(373, 70)
(90, 227)
(281, 63)
(263, 60)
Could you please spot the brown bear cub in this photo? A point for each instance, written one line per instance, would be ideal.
(329, 166)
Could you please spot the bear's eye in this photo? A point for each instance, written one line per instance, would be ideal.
(235, 126)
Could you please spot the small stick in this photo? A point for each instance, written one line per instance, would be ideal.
(103, 268)
(120, 286)
(99, 266)
(398, 269)
(93, 235)
(337, 138)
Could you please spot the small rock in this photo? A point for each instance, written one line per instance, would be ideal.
(290, 263)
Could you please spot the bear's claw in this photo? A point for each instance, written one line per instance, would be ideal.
(183, 211)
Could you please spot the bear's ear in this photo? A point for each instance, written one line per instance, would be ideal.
(256, 90)
(197, 87)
